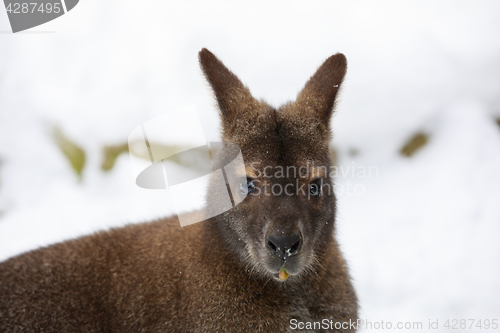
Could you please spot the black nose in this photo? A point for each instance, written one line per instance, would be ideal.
(284, 246)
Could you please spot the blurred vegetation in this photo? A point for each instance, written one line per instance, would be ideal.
(415, 143)
(498, 122)
(162, 150)
(111, 153)
(73, 153)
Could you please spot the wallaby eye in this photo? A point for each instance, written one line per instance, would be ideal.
(247, 186)
(315, 189)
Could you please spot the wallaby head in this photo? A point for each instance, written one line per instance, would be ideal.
(284, 228)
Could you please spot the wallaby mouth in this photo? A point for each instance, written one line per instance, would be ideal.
(286, 271)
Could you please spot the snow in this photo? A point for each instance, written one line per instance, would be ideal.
(421, 240)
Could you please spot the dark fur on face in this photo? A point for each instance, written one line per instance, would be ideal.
(295, 135)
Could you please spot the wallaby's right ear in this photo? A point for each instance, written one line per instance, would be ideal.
(320, 91)
(232, 96)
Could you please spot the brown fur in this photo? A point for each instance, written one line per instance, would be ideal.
(214, 276)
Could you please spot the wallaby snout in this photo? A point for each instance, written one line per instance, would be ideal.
(287, 242)
(284, 246)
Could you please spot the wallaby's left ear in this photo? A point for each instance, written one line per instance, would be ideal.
(233, 97)
(319, 93)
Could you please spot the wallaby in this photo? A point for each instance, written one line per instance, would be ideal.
(270, 264)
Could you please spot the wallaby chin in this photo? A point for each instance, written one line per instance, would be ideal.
(271, 259)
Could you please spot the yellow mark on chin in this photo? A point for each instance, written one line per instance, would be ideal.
(283, 275)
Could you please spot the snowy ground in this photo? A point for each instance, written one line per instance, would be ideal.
(421, 238)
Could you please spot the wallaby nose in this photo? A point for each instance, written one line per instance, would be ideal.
(284, 246)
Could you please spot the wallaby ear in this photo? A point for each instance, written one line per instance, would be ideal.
(318, 95)
(232, 96)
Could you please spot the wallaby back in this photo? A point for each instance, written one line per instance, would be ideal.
(270, 259)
